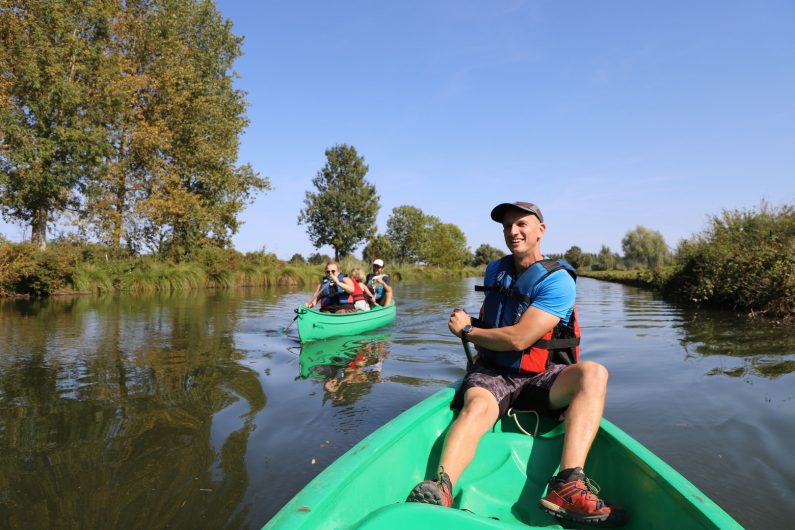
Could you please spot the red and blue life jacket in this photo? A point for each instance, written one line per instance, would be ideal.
(507, 298)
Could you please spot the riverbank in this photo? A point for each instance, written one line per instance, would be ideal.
(744, 261)
(67, 268)
(638, 278)
(666, 281)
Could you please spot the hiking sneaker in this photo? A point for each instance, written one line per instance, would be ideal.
(438, 491)
(575, 498)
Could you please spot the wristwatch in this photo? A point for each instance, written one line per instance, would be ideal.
(465, 331)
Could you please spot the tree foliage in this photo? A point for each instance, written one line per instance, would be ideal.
(606, 259)
(645, 247)
(574, 257)
(407, 230)
(51, 59)
(125, 113)
(485, 254)
(297, 258)
(446, 246)
(744, 260)
(378, 247)
(316, 258)
(343, 211)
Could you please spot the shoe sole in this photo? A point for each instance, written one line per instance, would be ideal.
(562, 513)
(426, 494)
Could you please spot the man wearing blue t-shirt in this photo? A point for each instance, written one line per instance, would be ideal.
(527, 338)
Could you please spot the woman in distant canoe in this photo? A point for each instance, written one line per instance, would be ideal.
(335, 291)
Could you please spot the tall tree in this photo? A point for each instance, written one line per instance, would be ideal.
(407, 230)
(135, 134)
(125, 112)
(51, 55)
(176, 133)
(645, 247)
(342, 213)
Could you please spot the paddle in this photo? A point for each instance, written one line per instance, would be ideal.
(470, 362)
(476, 322)
(293, 320)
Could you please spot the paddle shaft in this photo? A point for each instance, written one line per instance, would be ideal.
(291, 322)
(470, 362)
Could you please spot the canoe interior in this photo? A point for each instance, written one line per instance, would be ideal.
(366, 488)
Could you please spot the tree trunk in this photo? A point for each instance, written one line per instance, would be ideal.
(38, 234)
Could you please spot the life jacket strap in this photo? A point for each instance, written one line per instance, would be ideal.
(557, 344)
(505, 292)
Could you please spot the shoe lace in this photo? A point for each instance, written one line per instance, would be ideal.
(440, 478)
(591, 485)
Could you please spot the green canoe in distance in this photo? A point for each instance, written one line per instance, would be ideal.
(366, 487)
(316, 325)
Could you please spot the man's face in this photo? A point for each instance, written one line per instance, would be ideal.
(377, 269)
(522, 232)
(332, 270)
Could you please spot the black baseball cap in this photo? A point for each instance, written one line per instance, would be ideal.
(499, 211)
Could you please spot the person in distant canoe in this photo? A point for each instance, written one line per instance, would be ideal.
(335, 291)
(361, 294)
(528, 348)
(378, 282)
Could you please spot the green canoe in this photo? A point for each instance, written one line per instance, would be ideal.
(315, 325)
(367, 486)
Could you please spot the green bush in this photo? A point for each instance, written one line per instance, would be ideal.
(745, 260)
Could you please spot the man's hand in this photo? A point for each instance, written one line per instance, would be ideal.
(458, 319)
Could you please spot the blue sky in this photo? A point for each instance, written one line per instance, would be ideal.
(607, 114)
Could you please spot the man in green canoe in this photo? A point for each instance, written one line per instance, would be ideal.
(527, 338)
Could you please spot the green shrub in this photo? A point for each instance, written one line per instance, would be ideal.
(744, 260)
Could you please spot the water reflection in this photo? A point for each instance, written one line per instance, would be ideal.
(751, 347)
(123, 413)
(348, 366)
(738, 346)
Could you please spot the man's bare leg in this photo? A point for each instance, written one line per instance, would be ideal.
(477, 416)
(583, 388)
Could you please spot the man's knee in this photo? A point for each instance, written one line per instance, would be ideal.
(587, 376)
(593, 374)
(479, 405)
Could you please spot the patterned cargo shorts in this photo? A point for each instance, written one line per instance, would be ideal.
(523, 392)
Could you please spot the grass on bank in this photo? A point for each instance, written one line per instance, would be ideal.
(67, 267)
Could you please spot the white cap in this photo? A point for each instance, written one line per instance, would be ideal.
(379, 262)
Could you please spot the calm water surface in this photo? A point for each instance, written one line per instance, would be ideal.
(198, 411)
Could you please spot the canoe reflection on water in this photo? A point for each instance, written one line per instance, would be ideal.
(348, 366)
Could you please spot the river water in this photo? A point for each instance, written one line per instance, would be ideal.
(197, 410)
